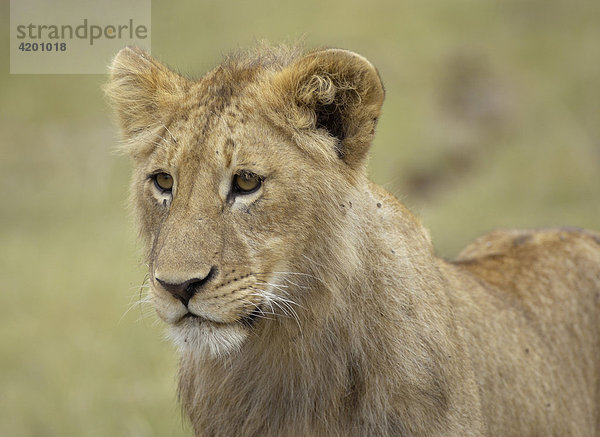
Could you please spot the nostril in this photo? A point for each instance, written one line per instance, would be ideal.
(184, 291)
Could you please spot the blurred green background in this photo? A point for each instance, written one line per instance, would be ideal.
(492, 119)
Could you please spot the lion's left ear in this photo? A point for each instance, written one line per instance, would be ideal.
(337, 93)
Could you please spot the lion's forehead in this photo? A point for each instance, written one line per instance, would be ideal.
(220, 99)
(219, 140)
(201, 129)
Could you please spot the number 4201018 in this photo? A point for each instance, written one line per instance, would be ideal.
(43, 47)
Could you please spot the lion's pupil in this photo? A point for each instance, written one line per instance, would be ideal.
(164, 181)
(246, 182)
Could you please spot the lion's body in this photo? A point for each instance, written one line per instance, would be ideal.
(529, 307)
(321, 308)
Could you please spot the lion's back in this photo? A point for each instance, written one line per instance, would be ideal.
(533, 298)
(532, 263)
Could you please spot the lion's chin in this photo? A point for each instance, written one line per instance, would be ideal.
(205, 339)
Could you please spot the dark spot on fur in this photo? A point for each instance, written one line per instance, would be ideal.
(526, 350)
(521, 239)
(378, 205)
(350, 204)
(375, 120)
(224, 93)
(393, 251)
(205, 126)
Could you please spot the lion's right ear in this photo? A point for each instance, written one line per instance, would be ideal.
(143, 92)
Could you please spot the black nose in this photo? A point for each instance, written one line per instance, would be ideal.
(185, 290)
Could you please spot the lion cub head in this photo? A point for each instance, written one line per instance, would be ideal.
(238, 176)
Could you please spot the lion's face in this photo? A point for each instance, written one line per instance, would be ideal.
(221, 232)
(235, 175)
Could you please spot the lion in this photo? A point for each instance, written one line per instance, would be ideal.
(305, 300)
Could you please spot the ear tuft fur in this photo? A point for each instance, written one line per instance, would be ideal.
(143, 92)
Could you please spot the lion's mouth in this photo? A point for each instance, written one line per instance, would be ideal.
(248, 321)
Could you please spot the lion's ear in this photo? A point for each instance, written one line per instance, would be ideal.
(143, 91)
(337, 93)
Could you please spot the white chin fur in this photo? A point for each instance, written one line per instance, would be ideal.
(207, 339)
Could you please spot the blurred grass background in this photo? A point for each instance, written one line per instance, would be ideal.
(491, 120)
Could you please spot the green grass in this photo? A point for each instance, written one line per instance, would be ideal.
(74, 360)
(491, 120)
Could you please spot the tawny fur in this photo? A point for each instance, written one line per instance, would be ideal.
(361, 329)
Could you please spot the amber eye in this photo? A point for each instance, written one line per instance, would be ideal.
(163, 181)
(246, 182)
